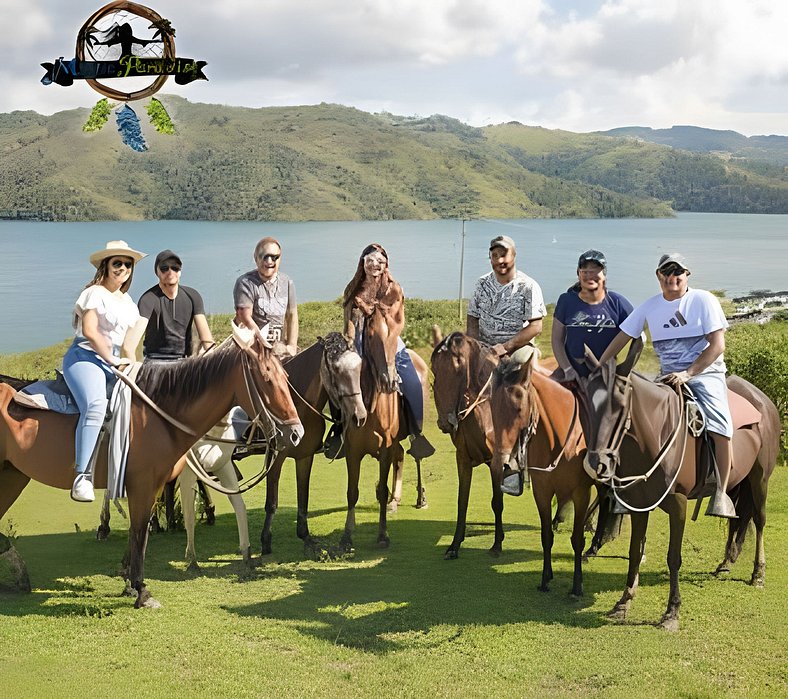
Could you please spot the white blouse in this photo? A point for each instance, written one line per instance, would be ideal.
(116, 314)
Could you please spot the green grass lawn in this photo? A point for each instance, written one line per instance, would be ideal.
(402, 621)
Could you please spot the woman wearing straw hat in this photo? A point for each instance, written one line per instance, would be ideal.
(103, 314)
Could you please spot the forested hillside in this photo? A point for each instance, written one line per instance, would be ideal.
(329, 162)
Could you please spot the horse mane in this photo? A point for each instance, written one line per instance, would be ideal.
(335, 345)
(174, 383)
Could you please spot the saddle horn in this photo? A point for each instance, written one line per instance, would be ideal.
(590, 357)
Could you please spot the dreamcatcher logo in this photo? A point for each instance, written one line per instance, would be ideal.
(133, 43)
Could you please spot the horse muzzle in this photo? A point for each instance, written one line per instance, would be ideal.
(292, 434)
(600, 465)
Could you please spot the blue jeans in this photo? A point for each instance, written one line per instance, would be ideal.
(88, 378)
(411, 389)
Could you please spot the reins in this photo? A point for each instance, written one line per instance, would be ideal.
(480, 398)
(532, 430)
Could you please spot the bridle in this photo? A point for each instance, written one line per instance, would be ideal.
(621, 429)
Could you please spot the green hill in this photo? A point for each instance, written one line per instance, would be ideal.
(329, 162)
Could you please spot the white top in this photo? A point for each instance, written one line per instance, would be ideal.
(504, 310)
(116, 314)
(679, 328)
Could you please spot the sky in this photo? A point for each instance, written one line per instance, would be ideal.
(580, 65)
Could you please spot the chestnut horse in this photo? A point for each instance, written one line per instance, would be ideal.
(195, 392)
(463, 368)
(527, 402)
(385, 427)
(639, 444)
(308, 389)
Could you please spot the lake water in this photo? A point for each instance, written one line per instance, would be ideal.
(43, 266)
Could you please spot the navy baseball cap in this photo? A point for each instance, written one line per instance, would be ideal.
(592, 256)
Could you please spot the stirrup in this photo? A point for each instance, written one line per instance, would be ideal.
(721, 505)
(619, 508)
(512, 482)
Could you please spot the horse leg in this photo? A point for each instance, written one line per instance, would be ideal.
(228, 478)
(169, 505)
(544, 502)
(397, 473)
(187, 485)
(421, 494)
(102, 533)
(140, 506)
(384, 466)
(759, 491)
(271, 503)
(560, 516)
(208, 506)
(12, 483)
(303, 474)
(676, 507)
(464, 475)
(637, 544)
(580, 498)
(353, 469)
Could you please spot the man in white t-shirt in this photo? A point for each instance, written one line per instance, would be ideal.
(687, 329)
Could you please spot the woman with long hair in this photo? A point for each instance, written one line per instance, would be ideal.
(104, 315)
(372, 286)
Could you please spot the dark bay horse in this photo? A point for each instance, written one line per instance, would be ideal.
(385, 427)
(196, 392)
(463, 368)
(638, 443)
(309, 393)
(524, 400)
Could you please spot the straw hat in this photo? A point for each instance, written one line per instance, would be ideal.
(116, 248)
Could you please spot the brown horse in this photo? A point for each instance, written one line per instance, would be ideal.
(463, 367)
(385, 426)
(309, 395)
(639, 444)
(527, 402)
(196, 392)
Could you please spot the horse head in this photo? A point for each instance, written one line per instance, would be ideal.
(513, 405)
(380, 350)
(605, 399)
(460, 371)
(340, 371)
(269, 394)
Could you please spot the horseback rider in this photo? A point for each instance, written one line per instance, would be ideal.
(687, 329)
(505, 312)
(266, 296)
(372, 285)
(169, 310)
(104, 322)
(587, 314)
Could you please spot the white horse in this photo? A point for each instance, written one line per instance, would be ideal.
(214, 454)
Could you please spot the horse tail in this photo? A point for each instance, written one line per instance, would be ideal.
(745, 506)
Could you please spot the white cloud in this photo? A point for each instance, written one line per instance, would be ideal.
(572, 64)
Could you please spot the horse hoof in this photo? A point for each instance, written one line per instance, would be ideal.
(543, 588)
(669, 624)
(128, 591)
(102, 534)
(496, 550)
(384, 542)
(722, 569)
(421, 505)
(757, 581)
(451, 555)
(210, 516)
(149, 603)
(393, 507)
(266, 548)
(193, 567)
(618, 613)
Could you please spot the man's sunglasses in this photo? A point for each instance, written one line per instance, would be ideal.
(269, 257)
(167, 268)
(117, 264)
(673, 271)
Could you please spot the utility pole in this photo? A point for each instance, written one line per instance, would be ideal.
(462, 265)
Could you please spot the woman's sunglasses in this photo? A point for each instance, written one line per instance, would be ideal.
(117, 264)
(269, 257)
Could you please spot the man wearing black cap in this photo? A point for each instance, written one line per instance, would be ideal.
(169, 310)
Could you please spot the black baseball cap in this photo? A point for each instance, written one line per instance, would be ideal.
(166, 255)
(592, 256)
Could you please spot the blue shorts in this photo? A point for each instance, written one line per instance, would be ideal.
(711, 392)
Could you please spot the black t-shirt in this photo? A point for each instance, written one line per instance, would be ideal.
(169, 331)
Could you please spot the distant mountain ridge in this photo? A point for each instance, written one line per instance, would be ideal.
(329, 162)
(773, 149)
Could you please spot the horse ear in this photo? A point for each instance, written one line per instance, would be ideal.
(591, 361)
(635, 348)
(436, 335)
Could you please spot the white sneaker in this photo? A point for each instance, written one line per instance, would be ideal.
(82, 490)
